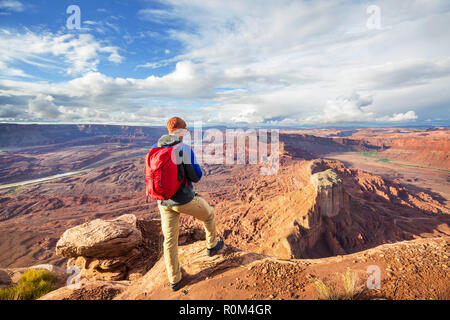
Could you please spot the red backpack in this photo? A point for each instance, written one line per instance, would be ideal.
(161, 173)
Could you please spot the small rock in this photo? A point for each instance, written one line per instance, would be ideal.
(135, 276)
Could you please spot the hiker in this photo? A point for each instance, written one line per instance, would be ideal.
(171, 184)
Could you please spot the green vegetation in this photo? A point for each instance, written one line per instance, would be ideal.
(416, 166)
(372, 154)
(367, 154)
(32, 285)
(348, 289)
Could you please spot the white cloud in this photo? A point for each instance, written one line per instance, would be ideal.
(348, 109)
(154, 65)
(13, 72)
(11, 5)
(402, 73)
(95, 96)
(43, 107)
(8, 111)
(79, 53)
(399, 117)
(156, 15)
(294, 61)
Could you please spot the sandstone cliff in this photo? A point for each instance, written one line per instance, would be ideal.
(307, 219)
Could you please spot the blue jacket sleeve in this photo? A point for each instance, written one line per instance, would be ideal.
(191, 167)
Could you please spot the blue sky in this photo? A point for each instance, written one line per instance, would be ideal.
(119, 23)
(257, 62)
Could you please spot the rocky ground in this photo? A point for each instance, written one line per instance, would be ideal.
(409, 270)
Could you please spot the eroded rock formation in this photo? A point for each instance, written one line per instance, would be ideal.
(331, 197)
(324, 209)
(118, 249)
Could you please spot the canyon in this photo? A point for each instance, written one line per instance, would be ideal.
(331, 202)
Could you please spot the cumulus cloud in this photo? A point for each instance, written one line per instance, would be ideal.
(345, 109)
(97, 97)
(399, 117)
(43, 107)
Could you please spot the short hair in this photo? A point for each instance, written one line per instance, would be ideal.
(175, 123)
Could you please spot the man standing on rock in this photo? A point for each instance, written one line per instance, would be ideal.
(184, 200)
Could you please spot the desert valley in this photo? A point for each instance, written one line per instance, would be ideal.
(343, 199)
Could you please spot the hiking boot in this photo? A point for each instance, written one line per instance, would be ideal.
(175, 287)
(213, 251)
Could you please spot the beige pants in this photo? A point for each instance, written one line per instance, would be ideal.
(170, 223)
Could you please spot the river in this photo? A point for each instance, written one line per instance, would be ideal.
(45, 179)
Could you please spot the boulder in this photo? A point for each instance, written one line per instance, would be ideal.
(5, 279)
(100, 239)
(120, 249)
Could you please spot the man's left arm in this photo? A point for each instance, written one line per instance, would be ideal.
(192, 169)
